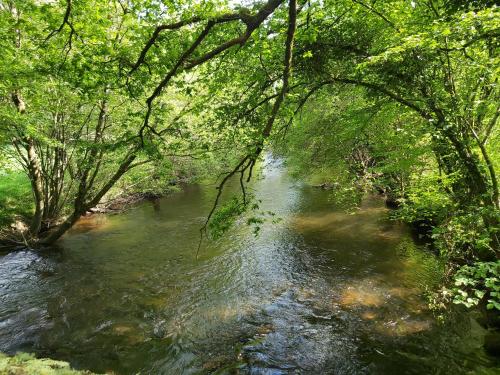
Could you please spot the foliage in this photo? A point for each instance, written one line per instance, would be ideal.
(399, 96)
(426, 199)
(15, 197)
(225, 216)
(476, 283)
(26, 364)
(403, 99)
(463, 235)
(73, 107)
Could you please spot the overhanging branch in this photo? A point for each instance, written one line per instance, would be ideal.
(249, 160)
(252, 22)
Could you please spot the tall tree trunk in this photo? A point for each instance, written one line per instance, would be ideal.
(36, 186)
(34, 170)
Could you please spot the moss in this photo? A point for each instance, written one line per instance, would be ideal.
(27, 364)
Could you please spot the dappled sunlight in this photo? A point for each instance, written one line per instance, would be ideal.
(401, 327)
(313, 294)
(305, 294)
(251, 187)
(411, 296)
(377, 291)
(369, 315)
(122, 329)
(93, 222)
(227, 312)
(367, 222)
(362, 295)
(131, 334)
(389, 310)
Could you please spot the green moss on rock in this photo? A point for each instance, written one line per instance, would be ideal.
(27, 364)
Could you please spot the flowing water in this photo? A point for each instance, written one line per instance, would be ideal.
(318, 291)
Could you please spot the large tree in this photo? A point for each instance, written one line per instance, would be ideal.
(436, 60)
(92, 90)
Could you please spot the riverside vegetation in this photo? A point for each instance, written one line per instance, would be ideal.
(106, 98)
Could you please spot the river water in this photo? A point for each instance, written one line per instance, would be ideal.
(318, 291)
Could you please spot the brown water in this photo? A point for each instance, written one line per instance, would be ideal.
(319, 292)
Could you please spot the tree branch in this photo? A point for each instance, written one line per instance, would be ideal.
(252, 22)
(491, 125)
(376, 12)
(248, 162)
(169, 76)
(65, 21)
(177, 25)
(383, 90)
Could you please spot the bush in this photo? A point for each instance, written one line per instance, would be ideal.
(477, 283)
(426, 201)
(463, 236)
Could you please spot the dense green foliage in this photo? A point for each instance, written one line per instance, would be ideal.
(476, 283)
(413, 115)
(100, 98)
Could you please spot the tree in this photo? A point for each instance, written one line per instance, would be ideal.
(95, 89)
(73, 94)
(431, 59)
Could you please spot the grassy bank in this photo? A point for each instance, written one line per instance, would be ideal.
(15, 197)
(26, 364)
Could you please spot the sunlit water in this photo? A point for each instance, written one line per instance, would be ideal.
(319, 291)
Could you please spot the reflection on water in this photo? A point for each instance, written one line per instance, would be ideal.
(320, 292)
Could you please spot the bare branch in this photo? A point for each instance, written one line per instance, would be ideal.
(176, 26)
(65, 22)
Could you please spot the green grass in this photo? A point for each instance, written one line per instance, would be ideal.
(15, 197)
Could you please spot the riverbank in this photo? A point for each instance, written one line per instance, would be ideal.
(15, 198)
(16, 206)
(27, 364)
(319, 291)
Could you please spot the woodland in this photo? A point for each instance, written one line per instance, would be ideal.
(127, 98)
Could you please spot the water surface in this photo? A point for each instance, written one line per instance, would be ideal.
(319, 291)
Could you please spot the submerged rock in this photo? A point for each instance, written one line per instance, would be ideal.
(492, 343)
(326, 186)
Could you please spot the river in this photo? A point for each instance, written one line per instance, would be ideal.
(317, 291)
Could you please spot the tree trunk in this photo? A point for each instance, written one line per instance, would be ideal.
(80, 207)
(62, 228)
(36, 186)
(34, 170)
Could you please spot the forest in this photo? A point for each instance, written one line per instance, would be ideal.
(108, 105)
